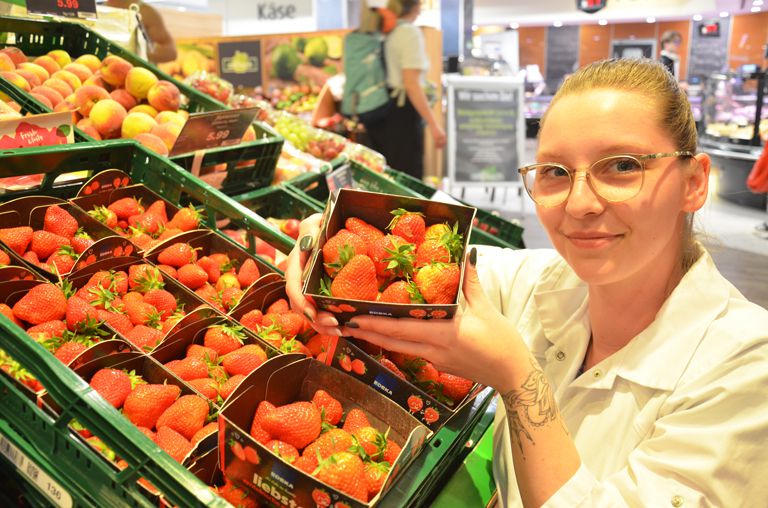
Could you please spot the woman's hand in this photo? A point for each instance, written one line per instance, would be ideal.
(478, 344)
(438, 135)
(323, 322)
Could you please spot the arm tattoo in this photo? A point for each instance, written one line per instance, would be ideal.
(531, 405)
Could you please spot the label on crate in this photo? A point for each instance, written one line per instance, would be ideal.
(213, 129)
(37, 130)
(32, 472)
(340, 178)
(66, 8)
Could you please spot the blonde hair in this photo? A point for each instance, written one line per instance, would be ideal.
(370, 19)
(652, 80)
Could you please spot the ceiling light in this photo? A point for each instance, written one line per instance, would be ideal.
(602, 22)
(514, 26)
(754, 9)
(724, 14)
(650, 19)
(557, 24)
(757, 3)
(698, 17)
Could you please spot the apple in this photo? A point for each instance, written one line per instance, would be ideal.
(291, 228)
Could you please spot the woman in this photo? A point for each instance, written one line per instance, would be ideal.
(670, 48)
(631, 372)
(400, 135)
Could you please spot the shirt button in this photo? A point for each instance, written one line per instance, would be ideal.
(597, 374)
(560, 356)
(677, 501)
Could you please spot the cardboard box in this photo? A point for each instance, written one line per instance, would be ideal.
(285, 379)
(375, 209)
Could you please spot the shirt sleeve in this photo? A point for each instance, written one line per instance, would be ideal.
(409, 48)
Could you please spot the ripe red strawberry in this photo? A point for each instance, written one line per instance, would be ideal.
(362, 229)
(345, 472)
(126, 207)
(425, 371)
(192, 276)
(438, 283)
(44, 243)
(278, 307)
(306, 464)
(319, 343)
(264, 409)
(298, 423)
(112, 384)
(289, 323)
(401, 292)
(147, 402)
(415, 403)
(356, 281)
(248, 273)
(69, 351)
(206, 386)
(358, 367)
(431, 415)
(371, 442)
(230, 297)
(375, 474)
(59, 221)
(455, 387)
(44, 302)
(345, 362)
(185, 219)
(177, 255)
(121, 323)
(227, 387)
(31, 257)
(17, 239)
(330, 408)
(392, 452)
(244, 360)
(169, 270)
(393, 256)
(8, 312)
(344, 242)
(144, 276)
(147, 222)
(167, 233)
(5, 259)
(186, 416)
(223, 338)
(188, 368)
(48, 329)
(355, 420)
(285, 451)
(330, 442)
(211, 267)
(391, 366)
(81, 315)
(81, 241)
(158, 208)
(202, 352)
(144, 337)
(105, 216)
(209, 429)
(138, 311)
(141, 239)
(162, 300)
(409, 225)
(432, 251)
(294, 346)
(174, 443)
(63, 260)
(207, 293)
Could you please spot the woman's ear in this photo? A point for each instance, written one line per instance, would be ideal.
(697, 183)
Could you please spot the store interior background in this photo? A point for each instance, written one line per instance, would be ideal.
(530, 34)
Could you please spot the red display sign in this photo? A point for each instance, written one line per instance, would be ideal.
(590, 6)
(66, 8)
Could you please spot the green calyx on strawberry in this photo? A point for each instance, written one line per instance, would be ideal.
(414, 292)
(399, 214)
(454, 242)
(151, 279)
(325, 286)
(346, 252)
(400, 261)
(104, 215)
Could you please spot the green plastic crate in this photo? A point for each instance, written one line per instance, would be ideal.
(30, 105)
(73, 463)
(158, 173)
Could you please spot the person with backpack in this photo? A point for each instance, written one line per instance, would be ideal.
(388, 96)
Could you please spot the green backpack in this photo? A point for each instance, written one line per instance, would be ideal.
(366, 98)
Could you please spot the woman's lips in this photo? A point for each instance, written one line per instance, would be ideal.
(592, 240)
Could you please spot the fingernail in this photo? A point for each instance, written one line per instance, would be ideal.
(337, 332)
(306, 243)
(473, 256)
(351, 324)
(309, 316)
(329, 322)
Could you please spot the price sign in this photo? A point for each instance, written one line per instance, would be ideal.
(340, 178)
(66, 8)
(213, 129)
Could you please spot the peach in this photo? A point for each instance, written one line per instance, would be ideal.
(15, 53)
(60, 86)
(107, 117)
(87, 96)
(184, 114)
(122, 96)
(135, 124)
(72, 80)
(164, 96)
(68, 104)
(37, 69)
(14, 106)
(16, 79)
(96, 80)
(47, 63)
(170, 116)
(54, 96)
(42, 99)
(89, 60)
(152, 142)
(167, 132)
(114, 70)
(144, 108)
(62, 57)
(250, 134)
(6, 63)
(79, 70)
(86, 125)
(138, 81)
(30, 76)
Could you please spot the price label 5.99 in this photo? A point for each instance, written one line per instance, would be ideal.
(67, 8)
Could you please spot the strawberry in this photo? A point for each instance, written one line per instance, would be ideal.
(438, 283)
(415, 403)
(393, 256)
(330, 408)
(186, 415)
(141, 239)
(17, 239)
(59, 221)
(244, 360)
(248, 273)
(188, 368)
(238, 497)
(68, 351)
(177, 255)
(409, 225)
(207, 387)
(31, 257)
(63, 260)
(401, 292)
(345, 362)
(371, 443)
(375, 474)
(294, 346)
(144, 276)
(264, 409)
(105, 216)
(112, 384)
(209, 429)
(330, 442)
(362, 229)
(391, 366)
(298, 423)
(5, 259)
(223, 338)
(306, 464)
(144, 337)
(285, 451)
(167, 233)
(48, 329)
(44, 302)
(357, 280)
(230, 297)
(158, 209)
(169, 270)
(44, 243)
(227, 280)
(81, 241)
(207, 293)
(358, 367)
(343, 242)
(319, 343)
(121, 323)
(162, 300)
(126, 207)
(185, 219)
(140, 312)
(211, 267)
(192, 276)
(147, 222)
(227, 387)
(355, 420)
(436, 231)
(432, 251)
(173, 443)
(345, 472)
(424, 371)
(289, 323)
(81, 315)
(392, 452)
(454, 387)
(8, 312)
(202, 352)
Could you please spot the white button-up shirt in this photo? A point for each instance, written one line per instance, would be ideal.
(678, 417)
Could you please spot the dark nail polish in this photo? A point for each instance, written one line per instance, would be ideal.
(306, 243)
(309, 316)
(351, 324)
(473, 256)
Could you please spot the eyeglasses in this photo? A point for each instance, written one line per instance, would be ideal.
(616, 178)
